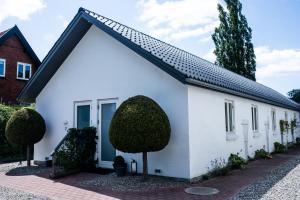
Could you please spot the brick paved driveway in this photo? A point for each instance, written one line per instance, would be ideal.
(68, 187)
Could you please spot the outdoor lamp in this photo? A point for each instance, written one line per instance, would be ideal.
(133, 165)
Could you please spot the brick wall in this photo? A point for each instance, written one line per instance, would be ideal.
(13, 51)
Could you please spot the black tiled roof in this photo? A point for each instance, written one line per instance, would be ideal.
(183, 66)
(193, 67)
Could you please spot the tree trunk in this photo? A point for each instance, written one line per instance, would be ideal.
(145, 166)
(28, 155)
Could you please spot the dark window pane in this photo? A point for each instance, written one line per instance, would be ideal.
(83, 116)
(2, 68)
(252, 118)
(20, 71)
(108, 152)
(230, 116)
(27, 71)
(226, 114)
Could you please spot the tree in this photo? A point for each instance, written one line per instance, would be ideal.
(140, 126)
(294, 95)
(25, 127)
(234, 50)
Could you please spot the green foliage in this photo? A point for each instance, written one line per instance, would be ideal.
(295, 95)
(77, 150)
(8, 152)
(279, 148)
(290, 145)
(218, 168)
(119, 161)
(261, 153)
(25, 127)
(283, 126)
(237, 162)
(297, 140)
(5, 113)
(234, 49)
(139, 125)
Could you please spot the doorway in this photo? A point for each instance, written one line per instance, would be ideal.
(106, 152)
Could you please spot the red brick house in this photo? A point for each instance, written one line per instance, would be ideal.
(18, 63)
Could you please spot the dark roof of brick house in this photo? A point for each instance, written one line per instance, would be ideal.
(182, 65)
(15, 31)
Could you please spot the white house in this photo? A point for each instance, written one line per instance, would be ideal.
(98, 63)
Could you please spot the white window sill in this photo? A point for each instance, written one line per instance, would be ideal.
(23, 79)
(256, 134)
(231, 136)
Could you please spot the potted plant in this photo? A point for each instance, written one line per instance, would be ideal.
(120, 166)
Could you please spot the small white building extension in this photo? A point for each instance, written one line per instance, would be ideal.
(98, 63)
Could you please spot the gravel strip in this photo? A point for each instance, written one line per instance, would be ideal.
(133, 183)
(17, 169)
(281, 183)
(12, 194)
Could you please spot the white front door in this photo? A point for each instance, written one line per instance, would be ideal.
(106, 152)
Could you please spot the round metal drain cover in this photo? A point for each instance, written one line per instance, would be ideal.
(201, 190)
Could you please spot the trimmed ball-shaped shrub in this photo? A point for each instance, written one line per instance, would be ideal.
(139, 125)
(25, 127)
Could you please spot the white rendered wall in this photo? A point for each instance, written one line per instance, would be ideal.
(207, 127)
(99, 68)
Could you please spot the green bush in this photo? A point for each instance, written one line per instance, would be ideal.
(236, 162)
(5, 113)
(25, 128)
(297, 140)
(261, 153)
(77, 150)
(139, 126)
(8, 152)
(279, 148)
(218, 168)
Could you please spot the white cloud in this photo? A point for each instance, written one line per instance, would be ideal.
(21, 9)
(181, 19)
(275, 62)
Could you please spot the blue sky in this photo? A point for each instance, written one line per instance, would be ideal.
(187, 24)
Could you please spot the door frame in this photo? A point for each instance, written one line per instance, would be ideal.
(104, 164)
(81, 103)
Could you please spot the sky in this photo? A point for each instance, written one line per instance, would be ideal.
(187, 24)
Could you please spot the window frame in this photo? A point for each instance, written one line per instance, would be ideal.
(24, 70)
(229, 128)
(255, 120)
(4, 69)
(273, 119)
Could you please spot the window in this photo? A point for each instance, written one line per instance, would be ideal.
(295, 116)
(273, 115)
(23, 71)
(286, 116)
(82, 114)
(229, 116)
(2, 67)
(254, 113)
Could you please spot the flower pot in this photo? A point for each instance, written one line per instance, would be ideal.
(120, 169)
